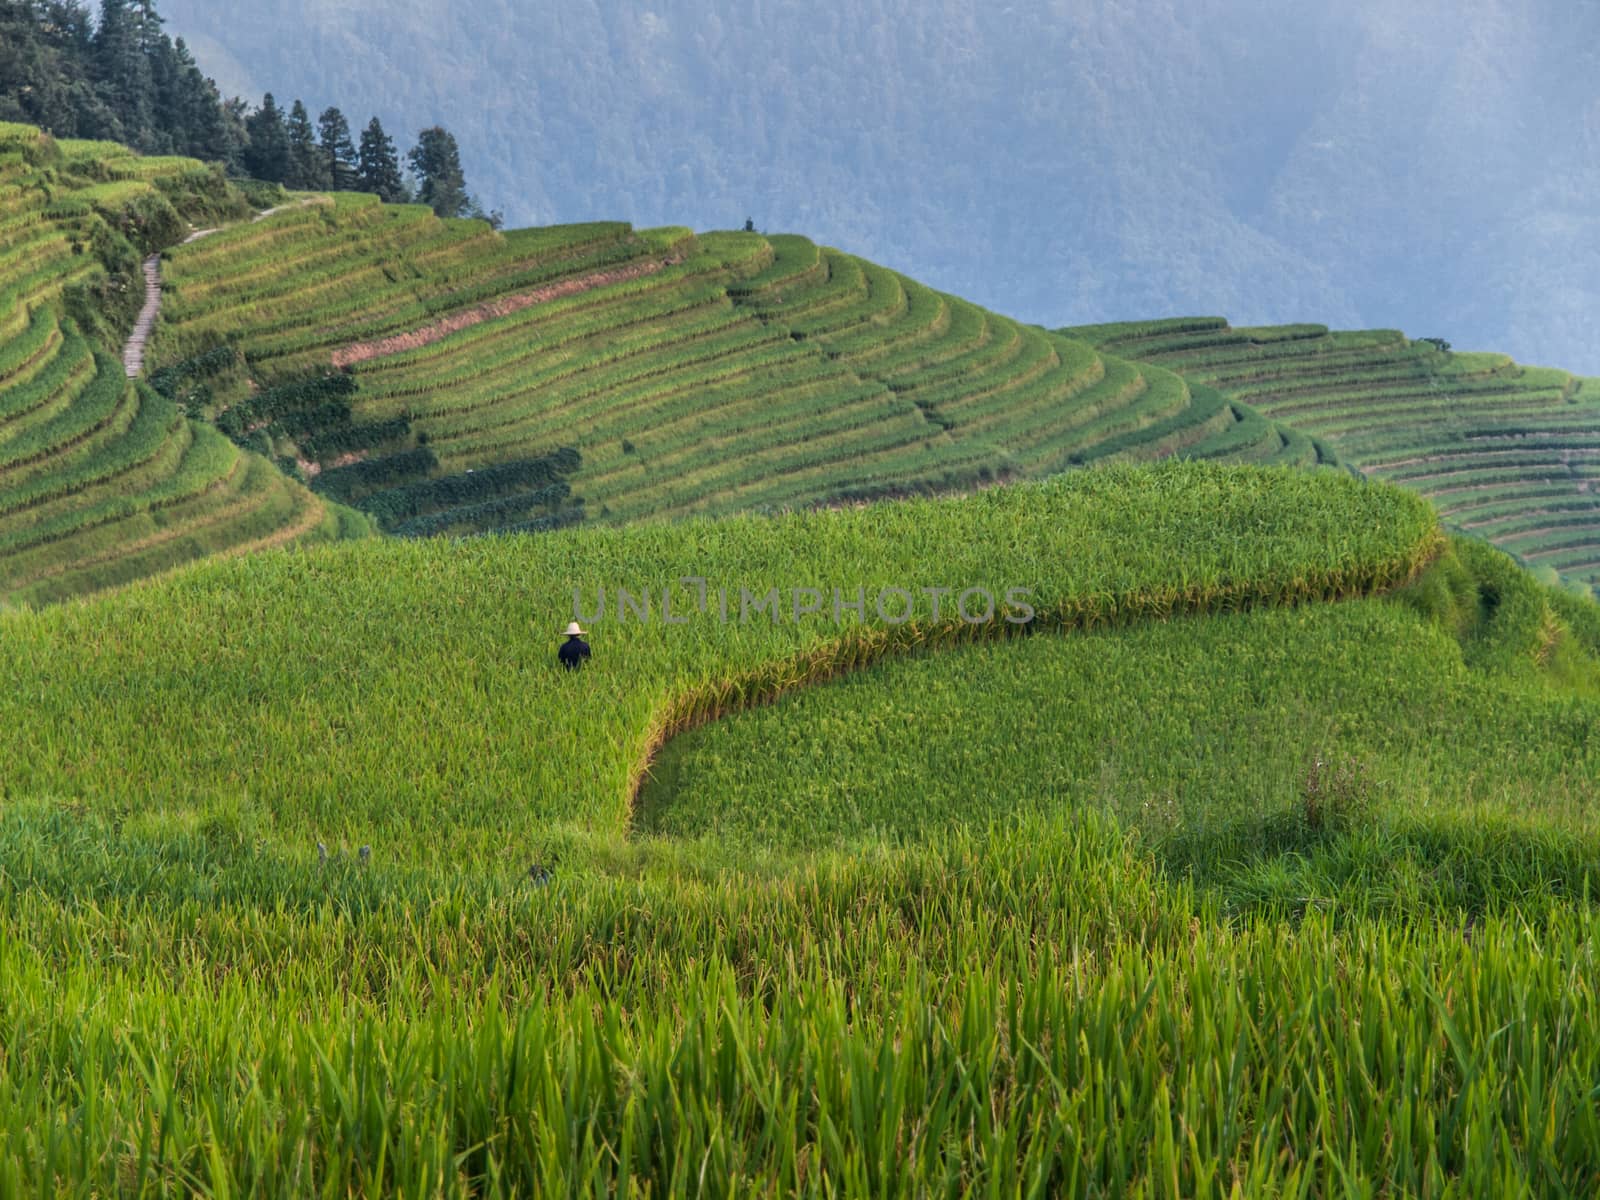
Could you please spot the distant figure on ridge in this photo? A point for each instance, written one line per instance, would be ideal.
(575, 651)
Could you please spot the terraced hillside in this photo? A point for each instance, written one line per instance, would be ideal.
(1506, 452)
(597, 371)
(101, 479)
(443, 377)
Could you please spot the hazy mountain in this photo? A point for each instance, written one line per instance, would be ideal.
(1431, 165)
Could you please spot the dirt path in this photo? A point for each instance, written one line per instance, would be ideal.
(133, 352)
(358, 352)
(262, 216)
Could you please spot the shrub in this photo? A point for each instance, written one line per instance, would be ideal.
(1336, 794)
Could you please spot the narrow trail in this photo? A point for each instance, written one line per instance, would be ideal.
(133, 352)
(278, 208)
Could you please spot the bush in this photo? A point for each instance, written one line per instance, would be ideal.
(203, 194)
(148, 221)
(1337, 793)
(280, 402)
(531, 511)
(179, 381)
(259, 194)
(348, 437)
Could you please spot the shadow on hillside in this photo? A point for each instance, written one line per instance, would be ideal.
(1468, 864)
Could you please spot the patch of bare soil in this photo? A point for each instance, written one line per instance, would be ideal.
(359, 352)
(313, 469)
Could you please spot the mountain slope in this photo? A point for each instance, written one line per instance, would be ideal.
(101, 479)
(447, 378)
(677, 373)
(1506, 452)
(1359, 163)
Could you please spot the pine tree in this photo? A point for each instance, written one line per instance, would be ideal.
(147, 26)
(207, 132)
(47, 70)
(436, 160)
(338, 151)
(307, 170)
(168, 116)
(122, 70)
(267, 155)
(379, 166)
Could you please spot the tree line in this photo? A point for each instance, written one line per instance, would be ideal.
(119, 77)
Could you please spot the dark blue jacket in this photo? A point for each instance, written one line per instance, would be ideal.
(573, 653)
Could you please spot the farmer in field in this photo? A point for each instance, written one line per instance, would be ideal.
(575, 651)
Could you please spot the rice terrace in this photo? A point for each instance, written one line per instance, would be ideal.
(1153, 758)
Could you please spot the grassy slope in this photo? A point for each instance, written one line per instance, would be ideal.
(379, 693)
(1033, 1007)
(101, 480)
(1507, 453)
(1483, 715)
(691, 375)
(711, 374)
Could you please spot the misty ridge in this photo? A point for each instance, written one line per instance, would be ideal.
(1431, 166)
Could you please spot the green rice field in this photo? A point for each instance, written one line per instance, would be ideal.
(1004, 768)
(1507, 453)
(691, 374)
(372, 368)
(102, 480)
(1083, 914)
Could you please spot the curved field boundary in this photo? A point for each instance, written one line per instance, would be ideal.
(867, 646)
(360, 352)
(1090, 549)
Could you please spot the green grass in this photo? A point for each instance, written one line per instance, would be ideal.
(1065, 914)
(336, 730)
(1141, 723)
(1260, 862)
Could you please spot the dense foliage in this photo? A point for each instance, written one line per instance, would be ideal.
(504, 494)
(121, 78)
